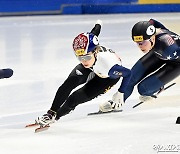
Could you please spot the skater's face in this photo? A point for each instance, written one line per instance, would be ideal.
(146, 45)
(87, 60)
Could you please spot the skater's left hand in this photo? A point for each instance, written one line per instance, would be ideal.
(118, 100)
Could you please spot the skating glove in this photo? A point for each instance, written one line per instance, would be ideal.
(99, 22)
(117, 100)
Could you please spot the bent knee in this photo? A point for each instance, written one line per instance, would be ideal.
(149, 86)
(143, 89)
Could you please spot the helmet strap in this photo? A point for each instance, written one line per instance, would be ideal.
(95, 57)
(151, 42)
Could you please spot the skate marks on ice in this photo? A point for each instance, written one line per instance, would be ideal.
(127, 131)
(18, 121)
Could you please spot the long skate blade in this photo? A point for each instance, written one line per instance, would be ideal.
(41, 129)
(137, 104)
(31, 125)
(100, 112)
(156, 94)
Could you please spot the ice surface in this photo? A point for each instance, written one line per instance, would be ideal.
(39, 50)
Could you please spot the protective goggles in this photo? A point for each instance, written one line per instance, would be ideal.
(85, 57)
(143, 43)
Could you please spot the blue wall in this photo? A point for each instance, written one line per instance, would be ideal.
(25, 7)
(121, 8)
(47, 5)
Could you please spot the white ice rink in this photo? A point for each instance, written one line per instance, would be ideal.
(39, 50)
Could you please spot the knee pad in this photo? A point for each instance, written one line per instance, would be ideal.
(149, 86)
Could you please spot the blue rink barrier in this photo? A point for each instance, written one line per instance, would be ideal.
(49, 5)
(121, 8)
(35, 7)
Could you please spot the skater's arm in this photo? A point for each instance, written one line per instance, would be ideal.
(157, 24)
(97, 28)
(171, 51)
(117, 71)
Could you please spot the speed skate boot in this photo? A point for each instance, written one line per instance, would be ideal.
(46, 119)
(106, 106)
(146, 98)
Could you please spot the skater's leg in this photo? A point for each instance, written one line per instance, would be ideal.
(78, 76)
(92, 89)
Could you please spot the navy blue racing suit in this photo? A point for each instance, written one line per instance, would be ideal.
(159, 66)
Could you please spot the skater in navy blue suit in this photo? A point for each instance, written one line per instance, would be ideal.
(161, 62)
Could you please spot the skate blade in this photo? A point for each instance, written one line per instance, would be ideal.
(31, 125)
(41, 129)
(100, 112)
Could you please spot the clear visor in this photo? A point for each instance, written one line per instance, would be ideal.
(85, 57)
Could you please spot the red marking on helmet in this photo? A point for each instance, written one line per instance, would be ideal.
(80, 42)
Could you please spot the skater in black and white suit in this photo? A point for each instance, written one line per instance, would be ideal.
(99, 69)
